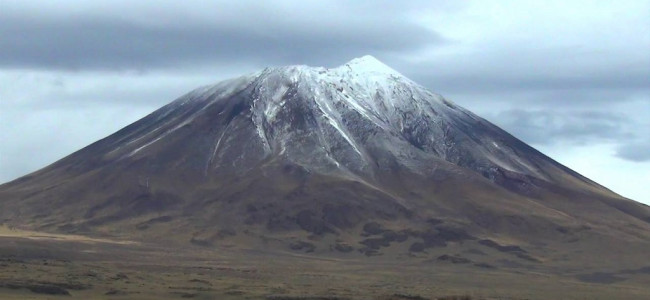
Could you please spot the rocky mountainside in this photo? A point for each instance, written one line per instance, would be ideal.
(354, 159)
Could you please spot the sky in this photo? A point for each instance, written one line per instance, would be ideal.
(571, 78)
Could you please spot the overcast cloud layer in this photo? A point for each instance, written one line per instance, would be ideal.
(571, 78)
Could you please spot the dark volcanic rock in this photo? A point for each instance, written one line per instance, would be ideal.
(373, 228)
(417, 247)
(495, 245)
(302, 246)
(343, 247)
(48, 290)
(455, 259)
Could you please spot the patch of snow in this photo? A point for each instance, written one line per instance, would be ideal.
(369, 64)
(276, 103)
(145, 145)
(216, 149)
(333, 119)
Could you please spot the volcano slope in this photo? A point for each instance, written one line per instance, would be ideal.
(356, 168)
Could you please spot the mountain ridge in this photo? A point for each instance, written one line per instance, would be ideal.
(316, 153)
(361, 108)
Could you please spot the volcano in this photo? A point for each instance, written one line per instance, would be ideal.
(356, 160)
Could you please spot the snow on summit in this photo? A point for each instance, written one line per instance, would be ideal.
(368, 64)
(347, 119)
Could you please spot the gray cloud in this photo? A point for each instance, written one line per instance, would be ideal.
(635, 151)
(547, 127)
(110, 42)
(550, 70)
(74, 90)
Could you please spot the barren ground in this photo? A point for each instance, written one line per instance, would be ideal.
(37, 265)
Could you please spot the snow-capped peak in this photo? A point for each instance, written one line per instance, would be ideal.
(337, 119)
(368, 64)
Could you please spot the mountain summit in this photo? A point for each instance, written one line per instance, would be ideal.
(340, 120)
(356, 157)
